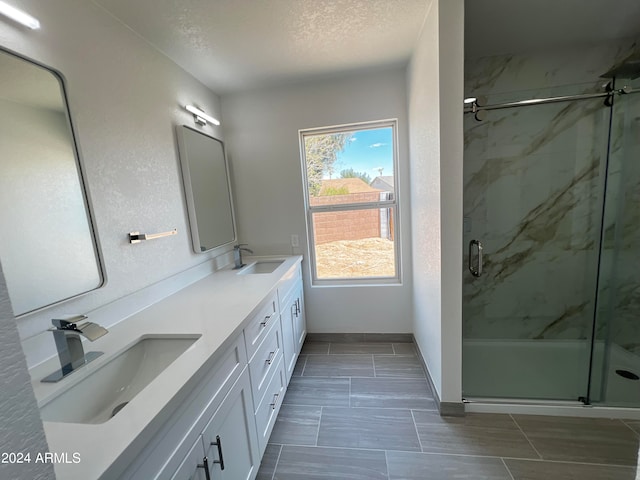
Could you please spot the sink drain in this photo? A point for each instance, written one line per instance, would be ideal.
(627, 374)
(124, 404)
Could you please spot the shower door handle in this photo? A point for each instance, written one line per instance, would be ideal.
(477, 270)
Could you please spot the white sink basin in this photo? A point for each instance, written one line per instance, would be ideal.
(263, 266)
(104, 392)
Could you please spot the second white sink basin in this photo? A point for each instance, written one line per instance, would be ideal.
(262, 266)
(103, 393)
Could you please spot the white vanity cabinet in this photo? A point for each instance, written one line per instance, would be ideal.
(218, 425)
(294, 329)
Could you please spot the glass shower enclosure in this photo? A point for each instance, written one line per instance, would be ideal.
(551, 297)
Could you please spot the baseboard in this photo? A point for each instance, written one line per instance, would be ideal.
(446, 409)
(360, 337)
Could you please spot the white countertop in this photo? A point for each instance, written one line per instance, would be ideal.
(215, 307)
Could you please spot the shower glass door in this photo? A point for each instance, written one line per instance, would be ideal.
(533, 198)
(616, 373)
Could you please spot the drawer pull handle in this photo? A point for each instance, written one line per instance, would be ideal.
(218, 443)
(266, 320)
(270, 359)
(275, 401)
(205, 465)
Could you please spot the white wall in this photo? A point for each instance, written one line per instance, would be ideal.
(20, 422)
(435, 79)
(261, 128)
(125, 99)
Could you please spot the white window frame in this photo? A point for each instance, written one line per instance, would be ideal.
(394, 205)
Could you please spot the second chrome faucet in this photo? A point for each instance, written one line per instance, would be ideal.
(237, 254)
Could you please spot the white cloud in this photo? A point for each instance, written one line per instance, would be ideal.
(377, 145)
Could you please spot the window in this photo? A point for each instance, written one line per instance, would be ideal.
(351, 201)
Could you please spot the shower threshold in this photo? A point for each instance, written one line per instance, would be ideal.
(561, 408)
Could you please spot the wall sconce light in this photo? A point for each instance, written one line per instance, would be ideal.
(19, 16)
(200, 117)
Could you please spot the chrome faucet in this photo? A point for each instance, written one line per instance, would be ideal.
(237, 255)
(66, 333)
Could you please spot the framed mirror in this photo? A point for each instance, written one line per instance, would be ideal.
(207, 187)
(47, 247)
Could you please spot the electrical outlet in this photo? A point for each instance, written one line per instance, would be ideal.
(295, 241)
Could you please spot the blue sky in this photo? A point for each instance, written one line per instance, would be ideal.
(368, 151)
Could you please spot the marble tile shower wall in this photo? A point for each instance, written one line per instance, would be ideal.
(534, 180)
(620, 295)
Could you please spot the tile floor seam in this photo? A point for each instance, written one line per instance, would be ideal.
(525, 436)
(360, 353)
(386, 462)
(628, 426)
(507, 468)
(362, 449)
(415, 426)
(319, 422)
(358, 376)
(275, 466)
(524, 459)
(372, 408)
(358, 408)
(570, 462)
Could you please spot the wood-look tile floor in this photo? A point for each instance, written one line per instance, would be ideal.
(364, 411)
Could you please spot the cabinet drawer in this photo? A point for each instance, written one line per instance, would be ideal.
(265, 362)
(268, 409)
(259, 325)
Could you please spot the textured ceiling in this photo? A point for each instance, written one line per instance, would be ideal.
(235, 45)
(238, 44)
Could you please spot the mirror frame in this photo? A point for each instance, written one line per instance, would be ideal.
(188, 191)
(73, 138)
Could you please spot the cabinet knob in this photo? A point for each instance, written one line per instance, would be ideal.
(275, 401)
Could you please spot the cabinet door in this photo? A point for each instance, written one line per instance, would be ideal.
(194, 464)
(289, 344)
(300, 325)
(230, 438)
